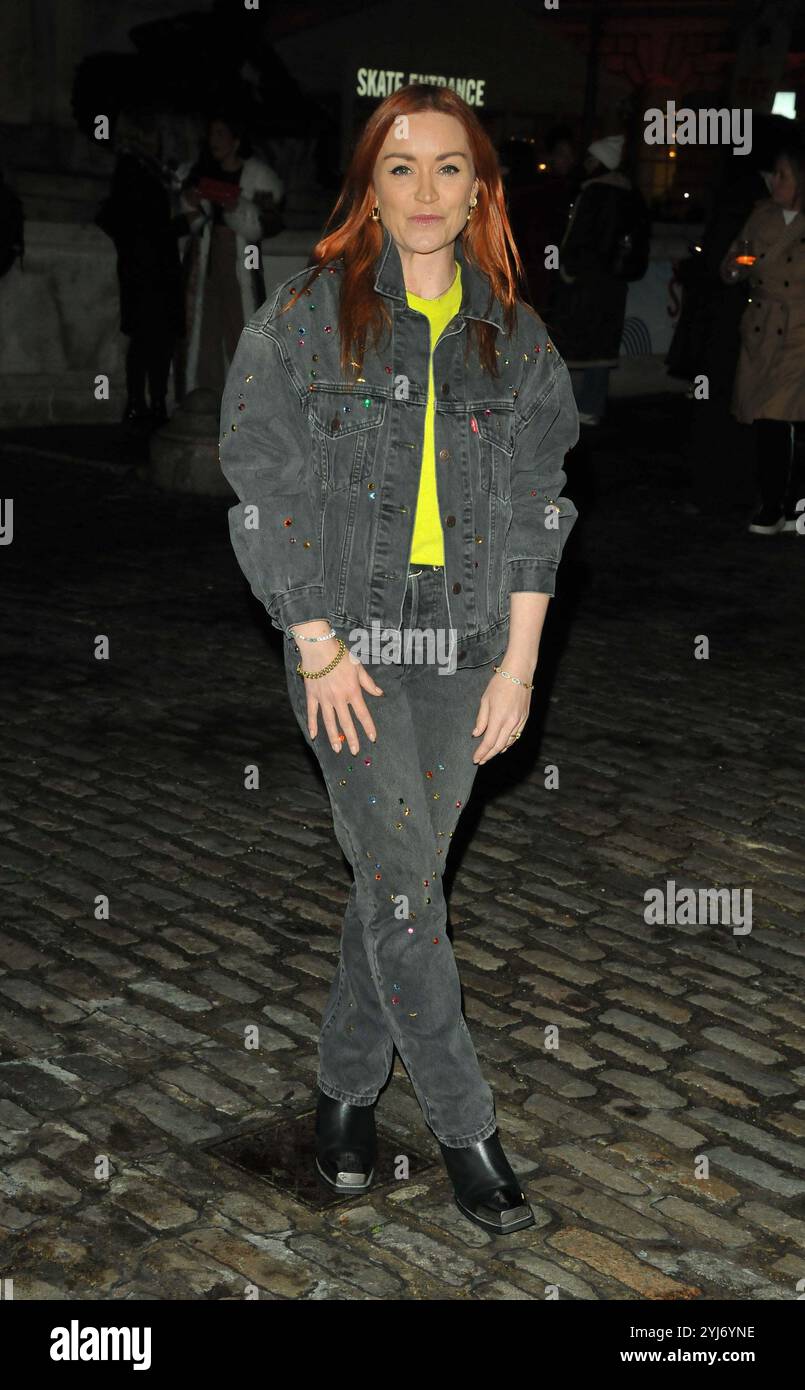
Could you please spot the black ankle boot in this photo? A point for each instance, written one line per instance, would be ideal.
(486, 1189)
(346, 1144)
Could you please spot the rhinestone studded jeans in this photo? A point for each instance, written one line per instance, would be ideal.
(395, 806)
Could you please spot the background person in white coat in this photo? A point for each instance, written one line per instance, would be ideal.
(231, 198)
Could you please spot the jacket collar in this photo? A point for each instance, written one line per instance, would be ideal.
(477, 301)
(614, 178)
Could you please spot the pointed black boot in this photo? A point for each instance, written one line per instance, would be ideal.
(346, 1144)
(486, 1189)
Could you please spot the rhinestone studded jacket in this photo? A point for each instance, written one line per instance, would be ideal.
(327, 468)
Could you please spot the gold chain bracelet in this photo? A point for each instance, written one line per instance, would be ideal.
(325, 671)
(509, 677)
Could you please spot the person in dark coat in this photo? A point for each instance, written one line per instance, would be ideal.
(538, 212)
(588, 306)
(138, 216)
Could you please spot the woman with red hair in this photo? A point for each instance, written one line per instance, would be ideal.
(395, 423)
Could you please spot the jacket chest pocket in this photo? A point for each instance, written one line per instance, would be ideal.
(493, 429)
(347, 427)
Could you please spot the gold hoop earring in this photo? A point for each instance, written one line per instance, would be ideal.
(375, 213)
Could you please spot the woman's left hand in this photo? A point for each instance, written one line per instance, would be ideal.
(503, 711)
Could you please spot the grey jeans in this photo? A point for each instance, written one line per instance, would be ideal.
(395, 806)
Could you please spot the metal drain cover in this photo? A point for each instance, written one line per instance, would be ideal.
(283, 1154)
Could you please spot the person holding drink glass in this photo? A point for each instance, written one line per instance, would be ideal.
(769, 389)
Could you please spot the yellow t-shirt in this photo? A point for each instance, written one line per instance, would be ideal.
(427, 547)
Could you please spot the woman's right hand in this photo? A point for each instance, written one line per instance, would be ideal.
(333, 695)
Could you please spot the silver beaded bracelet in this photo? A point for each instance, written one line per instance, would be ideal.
(325, 637)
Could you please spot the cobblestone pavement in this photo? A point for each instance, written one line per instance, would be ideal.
(124, 1037)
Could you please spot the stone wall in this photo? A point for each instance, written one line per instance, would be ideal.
(60, 319)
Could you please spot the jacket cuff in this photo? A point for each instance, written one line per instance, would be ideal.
(298, 606)
(537, 576)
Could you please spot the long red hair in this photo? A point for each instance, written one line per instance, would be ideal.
(487, 238)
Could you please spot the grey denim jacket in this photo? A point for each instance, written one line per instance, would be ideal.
(327, 468)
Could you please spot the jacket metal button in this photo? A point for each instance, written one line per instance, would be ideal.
(450, 521)
(445, 388)
(456, 588)
(462, 656)
(445, 453)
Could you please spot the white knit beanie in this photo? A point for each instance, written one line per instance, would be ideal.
(608, 151)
